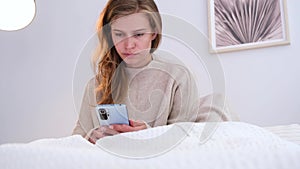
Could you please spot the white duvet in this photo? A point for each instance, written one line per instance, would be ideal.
(232, 145)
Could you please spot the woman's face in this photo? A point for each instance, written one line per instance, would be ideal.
(132, 36)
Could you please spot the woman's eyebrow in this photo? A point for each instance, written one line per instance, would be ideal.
(116, 30)
(138, 30)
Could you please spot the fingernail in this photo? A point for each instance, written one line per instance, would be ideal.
(111, 127)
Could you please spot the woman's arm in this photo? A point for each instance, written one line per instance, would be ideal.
(189, 107)
(85, 122)
(185, 97)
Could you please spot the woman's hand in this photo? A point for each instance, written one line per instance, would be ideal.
(133, 126)
(100, 132)
(104, 131)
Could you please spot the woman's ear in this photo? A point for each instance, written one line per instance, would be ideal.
(154, 34)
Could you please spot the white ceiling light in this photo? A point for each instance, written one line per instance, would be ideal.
(16, 14)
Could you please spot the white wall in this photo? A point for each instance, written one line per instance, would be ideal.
(37, 64)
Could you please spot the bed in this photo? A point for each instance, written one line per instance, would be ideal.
(288, 132)
(231, 145)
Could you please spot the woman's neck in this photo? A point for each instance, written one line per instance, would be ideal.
(142, 63)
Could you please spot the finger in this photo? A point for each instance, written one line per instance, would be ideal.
(141, 127)
(92, 140)
(107, 130)
(122, 128)
(93, 137)
(101, 132)
(125, 128)
(135, 123)
(96, 134)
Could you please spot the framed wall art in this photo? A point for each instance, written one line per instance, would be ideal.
(245, 24)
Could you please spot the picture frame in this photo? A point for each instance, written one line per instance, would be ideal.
(246, 24)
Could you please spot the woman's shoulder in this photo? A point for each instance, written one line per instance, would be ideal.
(92, 83)
(177, 71)
(171, 65)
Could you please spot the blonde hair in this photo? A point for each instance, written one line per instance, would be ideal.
(106, 60)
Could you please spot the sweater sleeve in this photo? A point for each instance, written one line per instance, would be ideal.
(185, 95)
(214, 108)
(187, 106)
(85, 120)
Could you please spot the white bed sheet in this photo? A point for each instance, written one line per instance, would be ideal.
(233, 145)
(289, 132)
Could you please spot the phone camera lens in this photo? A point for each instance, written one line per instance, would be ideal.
(103, 114)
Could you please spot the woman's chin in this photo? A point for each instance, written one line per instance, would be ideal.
(136, 60)
(131, 63)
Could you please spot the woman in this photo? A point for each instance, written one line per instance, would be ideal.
(155, 92)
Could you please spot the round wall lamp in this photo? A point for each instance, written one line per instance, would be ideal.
(16, 14)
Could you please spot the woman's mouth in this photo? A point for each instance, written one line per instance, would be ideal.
(129, 54)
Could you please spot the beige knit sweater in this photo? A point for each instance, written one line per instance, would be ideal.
(160, 93)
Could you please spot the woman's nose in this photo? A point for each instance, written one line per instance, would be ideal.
(130, 43)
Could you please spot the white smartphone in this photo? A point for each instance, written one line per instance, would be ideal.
(112, 114)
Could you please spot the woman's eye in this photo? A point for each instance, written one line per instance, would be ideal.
(118, 34)
(139, 34)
